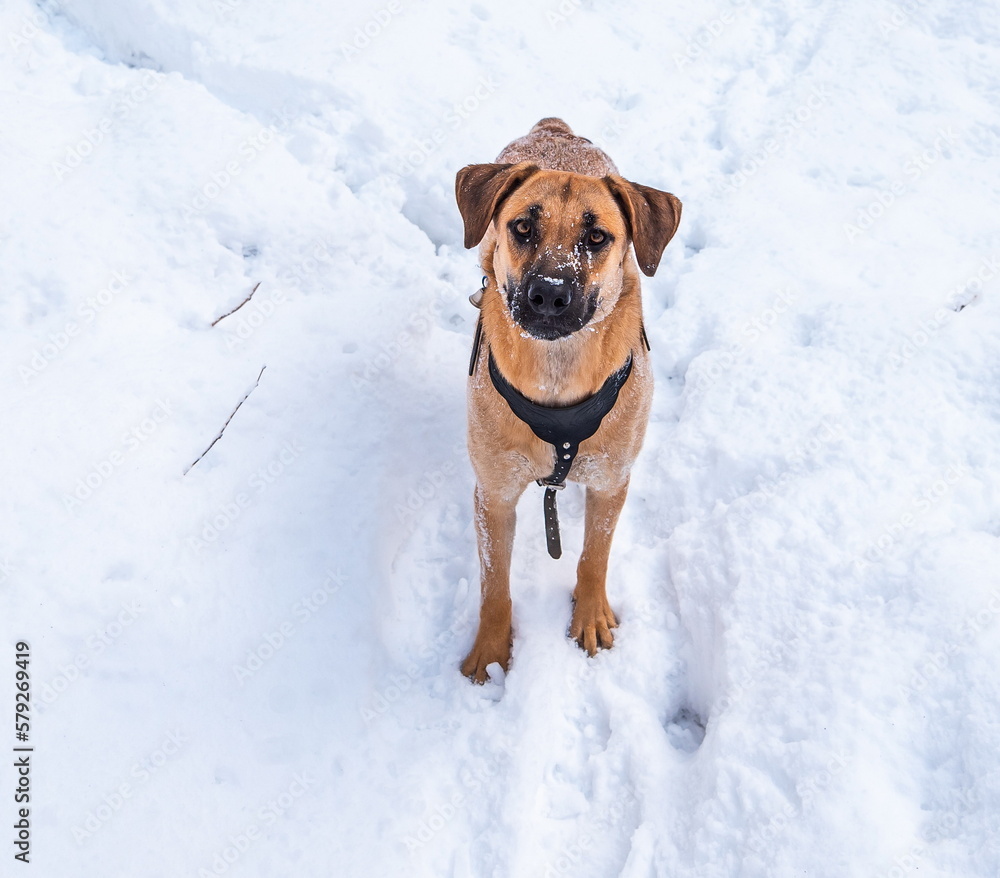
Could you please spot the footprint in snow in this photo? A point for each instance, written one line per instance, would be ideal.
(686, 730)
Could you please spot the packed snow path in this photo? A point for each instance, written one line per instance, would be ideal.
(251, 669)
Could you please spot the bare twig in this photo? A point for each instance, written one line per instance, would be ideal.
(237, 308)
(223, 430)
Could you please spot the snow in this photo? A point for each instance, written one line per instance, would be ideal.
(251, 669)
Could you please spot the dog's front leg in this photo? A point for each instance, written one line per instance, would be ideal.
(495, 520)
(592, 615)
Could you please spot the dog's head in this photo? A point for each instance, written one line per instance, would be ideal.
(562, 239)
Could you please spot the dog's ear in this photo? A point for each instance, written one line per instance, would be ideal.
(652, 217)
(481, 189)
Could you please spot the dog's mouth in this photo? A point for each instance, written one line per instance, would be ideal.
(549, 307)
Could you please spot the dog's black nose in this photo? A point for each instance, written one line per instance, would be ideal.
(549, 296)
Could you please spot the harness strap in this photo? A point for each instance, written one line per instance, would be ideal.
(563, 427)
(477, 301)
(476, 342)
(553, 541)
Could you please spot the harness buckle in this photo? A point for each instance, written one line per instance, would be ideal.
(558, 486)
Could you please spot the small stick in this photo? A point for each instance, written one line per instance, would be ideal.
(223, 430)
(237, 308)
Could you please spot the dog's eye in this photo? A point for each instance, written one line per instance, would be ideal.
(595, 238)
(522, 228)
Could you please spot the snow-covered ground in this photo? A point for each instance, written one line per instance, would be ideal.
(250, 667)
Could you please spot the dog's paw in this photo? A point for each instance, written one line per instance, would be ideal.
(592, 624)
(484, 654)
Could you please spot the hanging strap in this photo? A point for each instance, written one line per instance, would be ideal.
(476, 342)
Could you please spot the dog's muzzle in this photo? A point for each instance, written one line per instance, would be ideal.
(549, 306)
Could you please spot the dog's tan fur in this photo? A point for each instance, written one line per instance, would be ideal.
(567, 177)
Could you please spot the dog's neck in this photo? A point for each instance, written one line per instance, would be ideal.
(566, 370)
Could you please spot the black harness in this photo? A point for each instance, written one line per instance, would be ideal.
(563, 427)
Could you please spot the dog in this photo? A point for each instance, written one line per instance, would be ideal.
(560, 341)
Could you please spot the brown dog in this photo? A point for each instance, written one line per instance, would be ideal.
(561, 322)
